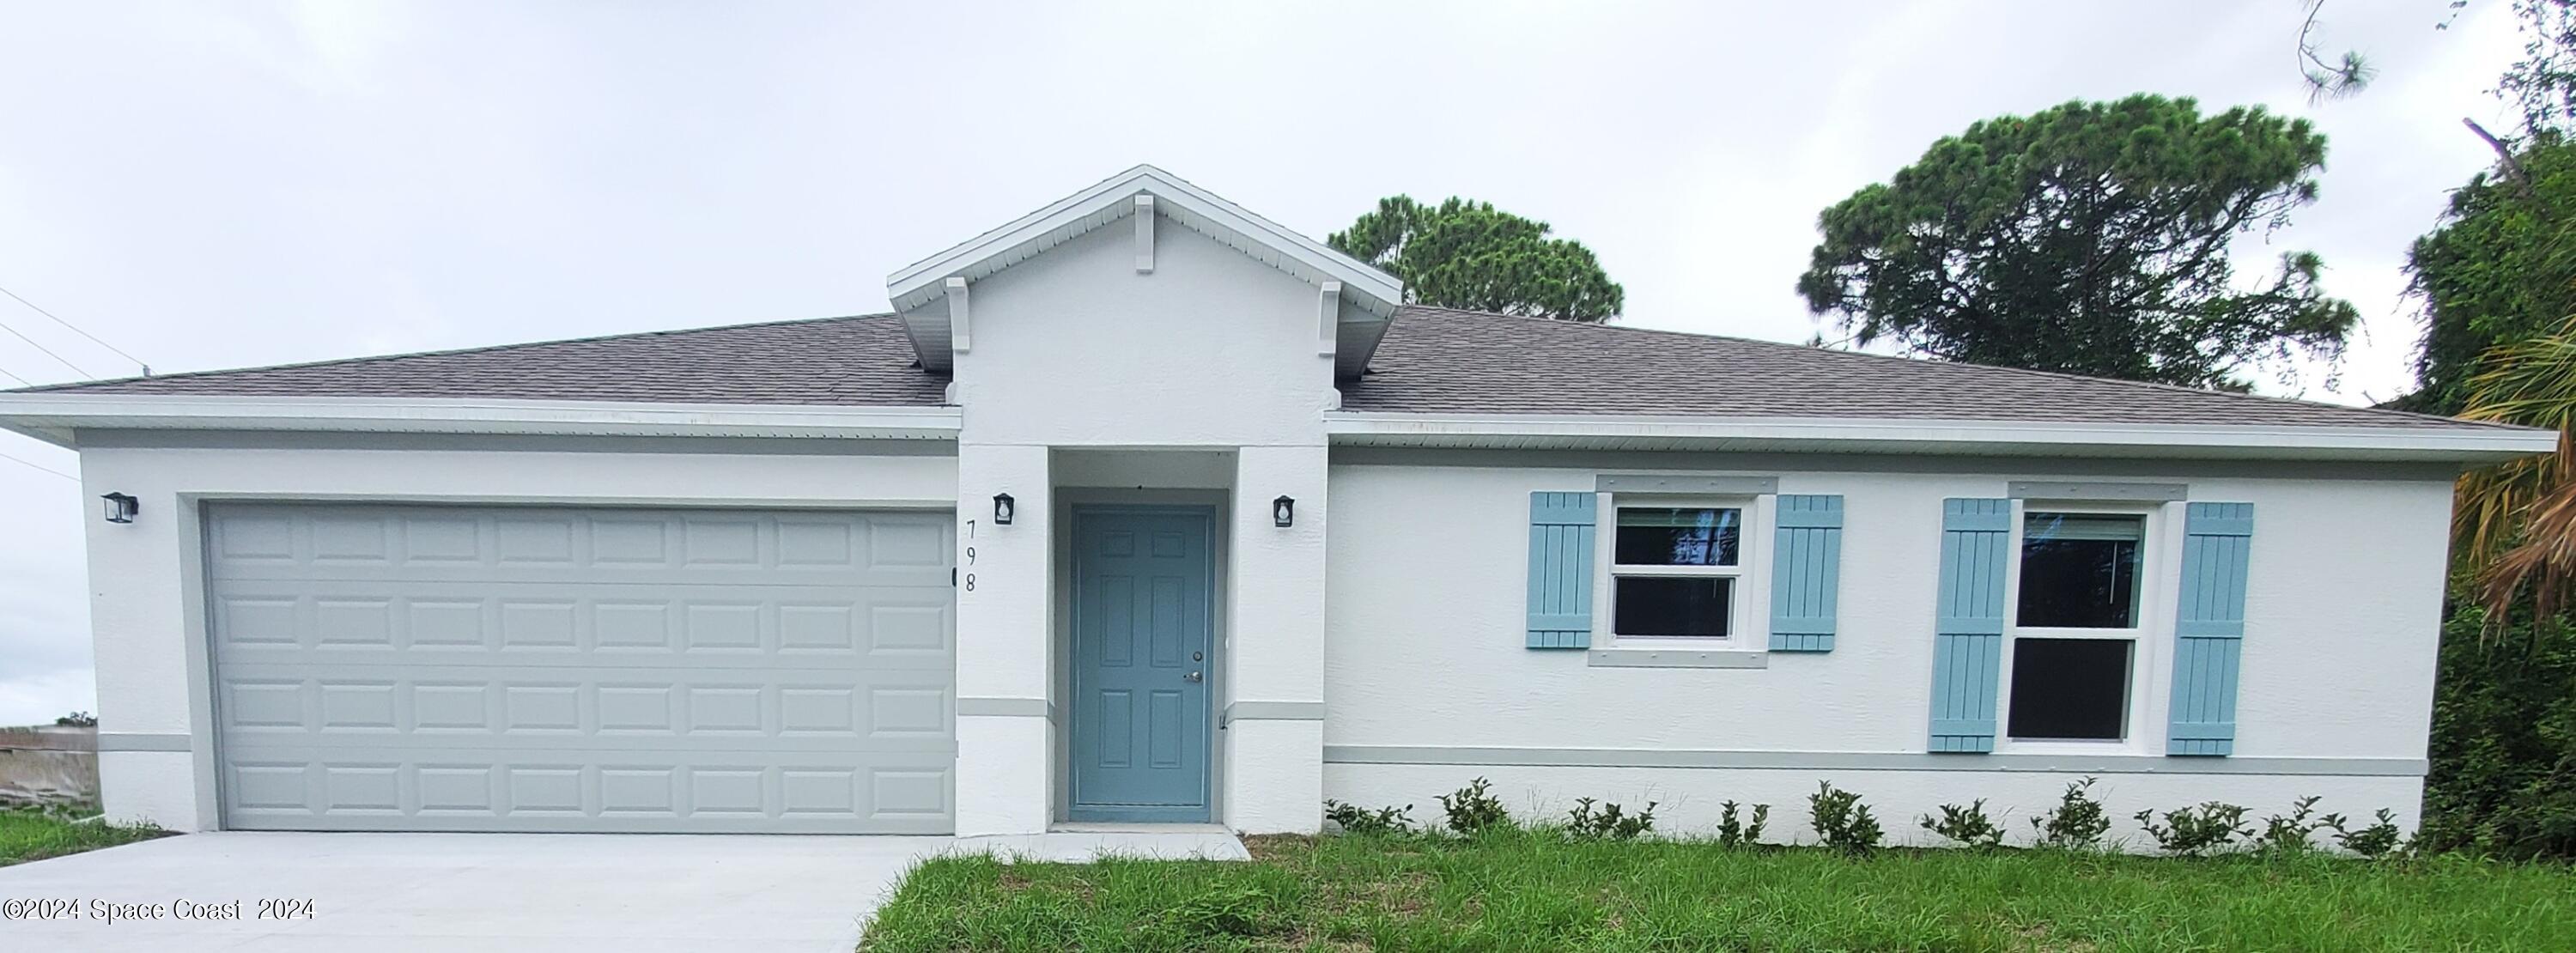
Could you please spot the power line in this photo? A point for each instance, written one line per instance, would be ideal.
(120, 352)
(31, 342)
(47, 469)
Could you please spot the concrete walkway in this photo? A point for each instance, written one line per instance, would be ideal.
(507, 892)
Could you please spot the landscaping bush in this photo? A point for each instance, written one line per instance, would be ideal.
(1732, 833)
(2503, 779)
(1841, 821)
(2291, 834)
(1355, 819)
(2078, 823)
(1473, 809)
(2192, 831)
(1966, 825)
(2371, 841)
(1608, 823)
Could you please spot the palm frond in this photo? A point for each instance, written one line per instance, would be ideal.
(2515, 524)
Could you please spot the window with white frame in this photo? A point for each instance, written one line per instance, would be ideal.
(2075, 625)
(1677, 570)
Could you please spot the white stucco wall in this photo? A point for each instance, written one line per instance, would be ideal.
(145, 576)
(1425, 649)
(1209, 361)
(1210, 349)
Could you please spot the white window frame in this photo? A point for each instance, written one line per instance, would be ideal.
(2159, 570)
(1748, 607)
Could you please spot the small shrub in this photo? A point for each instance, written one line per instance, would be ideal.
(2192, 831)
(78, 719)
(2078, 823)
(2371, 841)
(1355, 819)
(2290, 834)
(1966, 824)
(1608, 823)
(1473, 809)
(1841, 821)
(1733, 833)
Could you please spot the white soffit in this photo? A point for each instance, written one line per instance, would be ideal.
(1370, 296)
(2463, 445)
(54, 418)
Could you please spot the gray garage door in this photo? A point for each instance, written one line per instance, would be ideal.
(440, 668)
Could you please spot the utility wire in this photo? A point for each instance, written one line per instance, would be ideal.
(31, 342)
(120, 352)
(22, 382)
(39, 466)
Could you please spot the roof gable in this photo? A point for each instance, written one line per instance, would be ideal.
(1369, 297)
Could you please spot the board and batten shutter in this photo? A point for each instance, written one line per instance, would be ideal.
(1806, 568)
(2209, 628)
(1560, 570)
(1968, 631)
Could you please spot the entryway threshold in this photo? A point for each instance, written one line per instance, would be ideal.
(1084, 843)
(1131, 827)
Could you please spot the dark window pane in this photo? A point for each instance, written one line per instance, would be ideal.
(2070, 688)
(2080, 571)
(1697, 536)
(1667, 605)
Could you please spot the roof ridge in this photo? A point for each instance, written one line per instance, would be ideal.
(1833, 353)
(445, 352)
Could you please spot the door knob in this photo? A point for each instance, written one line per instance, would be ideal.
(1192, 677)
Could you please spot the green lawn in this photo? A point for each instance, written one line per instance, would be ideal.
(27, 835)
(1520, 891)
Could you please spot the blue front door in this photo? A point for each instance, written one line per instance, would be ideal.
(1140, 665)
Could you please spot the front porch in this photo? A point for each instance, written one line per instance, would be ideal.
(1141, 643)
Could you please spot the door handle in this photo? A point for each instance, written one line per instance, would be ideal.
(1193, 677)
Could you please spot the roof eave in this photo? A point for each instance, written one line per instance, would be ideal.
(57, 418)
(2464, 445)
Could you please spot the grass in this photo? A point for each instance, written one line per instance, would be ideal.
(29, 834)
(1535, 891)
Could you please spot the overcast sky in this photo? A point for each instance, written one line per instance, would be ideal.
(214, 185)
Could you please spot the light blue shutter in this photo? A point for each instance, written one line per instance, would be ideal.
(1968, 632)
(2209, 630)
(1560, 570)
(1806, 568)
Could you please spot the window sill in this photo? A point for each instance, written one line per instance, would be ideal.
(1678, 658)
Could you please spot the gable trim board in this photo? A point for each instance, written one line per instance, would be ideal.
(1368, 298)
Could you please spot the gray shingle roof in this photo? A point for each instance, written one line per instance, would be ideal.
(1433, 360)
(1441, 360)
(830, 361)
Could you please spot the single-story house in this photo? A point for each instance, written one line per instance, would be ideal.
(1144, 509)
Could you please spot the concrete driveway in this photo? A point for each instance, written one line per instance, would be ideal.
(499, 892)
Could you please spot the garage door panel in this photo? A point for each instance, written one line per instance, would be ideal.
(467, 789)
(362, 542)
(866, 625)
(272, 701)
(447, 668)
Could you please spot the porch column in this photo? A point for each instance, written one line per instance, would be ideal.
(1274, 707)
(1005, 724)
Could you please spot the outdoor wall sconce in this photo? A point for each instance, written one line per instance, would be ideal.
(1283, 512)
(1001, 509)
(120, 507)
